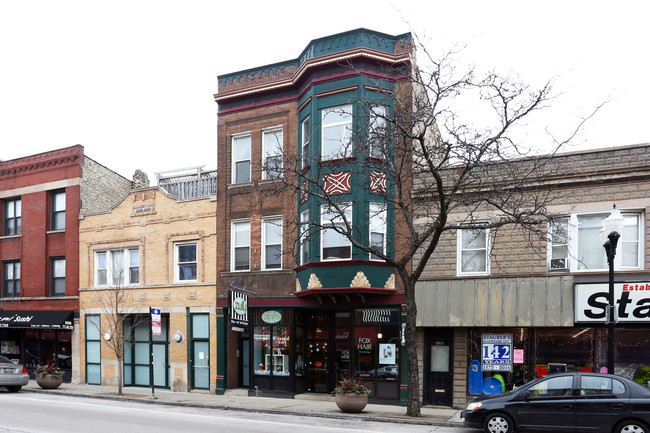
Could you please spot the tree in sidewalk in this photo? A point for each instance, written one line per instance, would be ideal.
(444, 140)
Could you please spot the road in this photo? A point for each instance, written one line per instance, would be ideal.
(43, 413)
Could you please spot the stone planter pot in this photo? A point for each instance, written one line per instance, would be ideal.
(48, 381)
(351, 402)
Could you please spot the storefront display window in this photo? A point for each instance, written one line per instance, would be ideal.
(377, 344)
(271, 342)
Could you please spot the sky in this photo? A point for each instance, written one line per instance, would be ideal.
(133, 81)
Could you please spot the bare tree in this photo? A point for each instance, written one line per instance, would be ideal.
(444, 137)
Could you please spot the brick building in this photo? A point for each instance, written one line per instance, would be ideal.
(152, 250)
(43, 198)
(324, 309)
(546, 308)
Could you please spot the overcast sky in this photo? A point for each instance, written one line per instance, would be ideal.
(133, 81)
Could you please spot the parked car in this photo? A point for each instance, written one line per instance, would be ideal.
(565, 402)
(12, 376)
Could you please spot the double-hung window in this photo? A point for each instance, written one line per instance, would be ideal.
(117, 268)
(272, 240)
(272, 140)
(304, 237)
(377, 132)
(241, 158)
(11, 217)
(11, 279)
(240, 236)
(57, 210)
(377, 217)
(559, 244)
(57, 277)
(185, 266)
(336, 132)
(473, 251)
(334, 243)
(306, 130)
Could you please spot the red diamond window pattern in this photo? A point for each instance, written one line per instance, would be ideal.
(337, 183)
(377, 182)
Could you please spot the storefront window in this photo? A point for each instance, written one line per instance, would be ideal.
(517, 372)
(572, 347)
(271, 342)
(377, 344)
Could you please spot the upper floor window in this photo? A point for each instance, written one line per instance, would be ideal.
(57, 210)
(240, 246)
(336, 132)
(473, 251)
(306, 138)
(11, 279)
(117, 267)
(272, 140)
(377, 218)
(12, 217)
(185, 262)
(575, 245)
(377, 132)
(272, 240)
(304, 238)
(334, 244)
(57, 277)
(241, 159)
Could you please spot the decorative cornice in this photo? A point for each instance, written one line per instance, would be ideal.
(43, 161)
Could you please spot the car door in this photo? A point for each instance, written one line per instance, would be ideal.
(548, 405)
(601, 402)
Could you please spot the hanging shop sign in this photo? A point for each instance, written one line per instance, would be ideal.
(496, 353)
(631, 302)
(271, 316)
(238, 309)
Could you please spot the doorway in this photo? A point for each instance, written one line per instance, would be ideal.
(438, 367)
(200, 351)
(317, 352)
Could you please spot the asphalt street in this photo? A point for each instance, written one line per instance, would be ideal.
(44, 413)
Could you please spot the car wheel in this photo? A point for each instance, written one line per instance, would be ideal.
(14, 388)
(631, 426)
(498, 423)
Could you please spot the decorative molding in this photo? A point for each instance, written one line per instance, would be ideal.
(337, 91)
(390, 283)
(337, 183)
(314, 282)
(378, 182)
(298, 286)
(360, 280)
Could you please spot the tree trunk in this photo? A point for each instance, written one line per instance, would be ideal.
(413, 378)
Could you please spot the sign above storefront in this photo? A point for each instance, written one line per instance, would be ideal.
(238, 309)
(271, 316)
(36, 319)
(631, 302)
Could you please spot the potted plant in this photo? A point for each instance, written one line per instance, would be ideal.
(49, 376)
(350, 395)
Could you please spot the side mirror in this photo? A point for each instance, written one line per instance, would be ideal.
(525, 395)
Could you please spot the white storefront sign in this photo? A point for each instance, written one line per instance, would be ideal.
(631, 302)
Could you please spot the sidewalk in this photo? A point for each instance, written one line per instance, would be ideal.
(304, 405)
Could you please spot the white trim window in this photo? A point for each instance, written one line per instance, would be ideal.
(240, 248)
(473, 252)
(334, 244)
(336, 132)
(241, 158)
(57, 210)
(272, 142)
(12, 217)
(306, 138)
(377, 132)
(304, 237)
(377, 221)
(272, 243)
(185, 262)
(558, 245)
(117, 268)
(585, 245)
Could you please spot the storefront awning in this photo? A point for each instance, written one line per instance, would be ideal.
(36, 319)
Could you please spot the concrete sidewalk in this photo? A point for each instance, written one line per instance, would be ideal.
(304, 405)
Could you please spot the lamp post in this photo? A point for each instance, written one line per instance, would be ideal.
(609, 235)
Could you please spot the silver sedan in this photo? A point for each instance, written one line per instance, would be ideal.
(12, 376)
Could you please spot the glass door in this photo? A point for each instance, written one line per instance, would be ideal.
(200, 361)
(318, 334)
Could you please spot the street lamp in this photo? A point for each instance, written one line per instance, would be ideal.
(609, 235)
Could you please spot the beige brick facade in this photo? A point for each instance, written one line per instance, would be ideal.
(153, 222)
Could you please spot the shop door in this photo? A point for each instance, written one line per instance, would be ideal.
(317, 348)
(200, 361)
(438, 380)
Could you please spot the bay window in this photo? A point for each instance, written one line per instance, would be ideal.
(377, 217)
(335, 245)
(336, 132)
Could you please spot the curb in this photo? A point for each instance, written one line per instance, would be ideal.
(360, 417)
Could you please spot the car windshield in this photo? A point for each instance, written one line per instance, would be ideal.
(4, 360)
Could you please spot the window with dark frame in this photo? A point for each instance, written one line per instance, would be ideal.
(186, 262)
(11, 279)
(57, 210)
(57, 277)
(11, 224)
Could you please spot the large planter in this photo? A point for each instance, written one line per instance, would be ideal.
(351, 402)
(48, 381)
